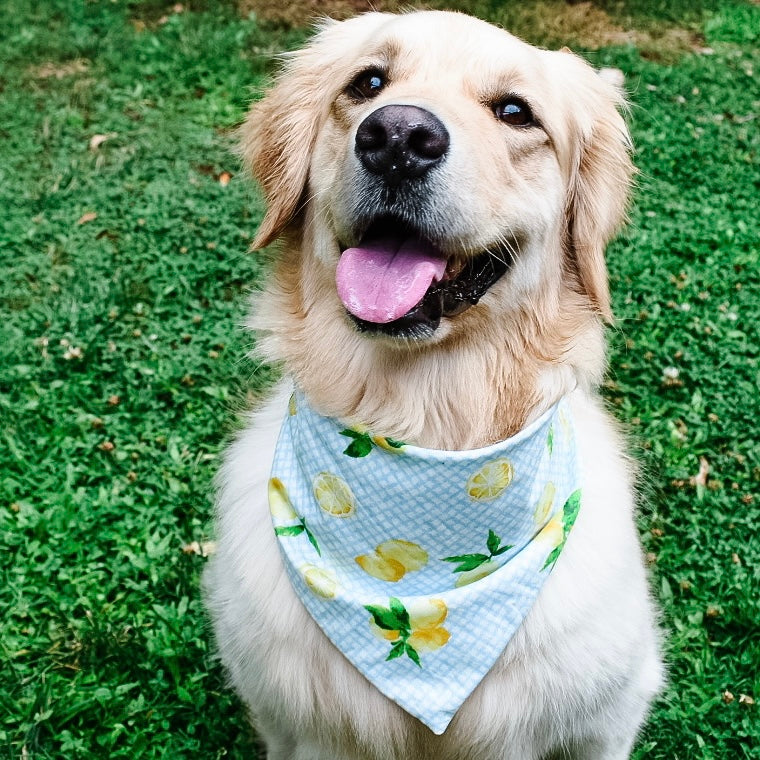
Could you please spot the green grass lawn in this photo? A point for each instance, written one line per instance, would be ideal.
(125, 277)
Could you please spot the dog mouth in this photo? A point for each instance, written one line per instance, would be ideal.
(398, 283)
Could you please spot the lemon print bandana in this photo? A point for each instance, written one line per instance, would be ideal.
(420, 564)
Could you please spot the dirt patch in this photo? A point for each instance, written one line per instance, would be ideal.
(560, 23)
(60, 70)
(303, 12)
(551, 23)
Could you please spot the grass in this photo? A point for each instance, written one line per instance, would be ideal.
(126, 278)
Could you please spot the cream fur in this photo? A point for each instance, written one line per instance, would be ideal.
(577, 679)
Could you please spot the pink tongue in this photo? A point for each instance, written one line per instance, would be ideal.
(383, 279)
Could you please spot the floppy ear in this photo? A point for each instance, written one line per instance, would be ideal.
(278, 135)
(599, 185)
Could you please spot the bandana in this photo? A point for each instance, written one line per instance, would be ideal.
(420, 564)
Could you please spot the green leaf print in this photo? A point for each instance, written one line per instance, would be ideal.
(360, 446)
(289, 530)
(296, 530)
(550, 440)
(569, 515)
(397, 650)
(411, 653)
(398, 609)
(467, 562)
(553, 556)
(570, 510)
(396, 618)
(385, 618)
(363, 443)
(311, 536)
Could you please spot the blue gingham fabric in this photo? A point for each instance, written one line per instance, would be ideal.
(420, 564)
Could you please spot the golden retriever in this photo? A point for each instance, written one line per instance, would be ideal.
(511, 164)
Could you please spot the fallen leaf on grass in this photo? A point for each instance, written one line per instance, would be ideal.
(97, 140)
(224, 179)
(72, 352)
(745, 699)
(202, 549)
(61, 70)
(700, 479)
(88, 216)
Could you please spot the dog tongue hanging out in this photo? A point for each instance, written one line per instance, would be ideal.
(428, 550)
(381, 280)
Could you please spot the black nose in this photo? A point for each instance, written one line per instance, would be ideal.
(401, 142)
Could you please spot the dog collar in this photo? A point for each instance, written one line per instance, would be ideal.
(420, 564)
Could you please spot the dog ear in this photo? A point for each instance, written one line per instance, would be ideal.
(278, 135)
(600, 183)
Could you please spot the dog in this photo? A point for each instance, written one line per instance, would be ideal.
(506, 170)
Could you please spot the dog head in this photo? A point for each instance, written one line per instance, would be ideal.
(435, 161)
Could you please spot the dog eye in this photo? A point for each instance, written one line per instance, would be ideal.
(514, 111)
(367, 85)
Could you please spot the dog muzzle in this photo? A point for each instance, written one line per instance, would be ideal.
(420, 564)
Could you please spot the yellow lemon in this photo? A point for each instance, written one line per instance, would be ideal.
(333, 495)
(292, 407)
(429, 639)
(553, 532)
(490, 480)
(410, 555)
(379, 567)
(426, 613)
(470, 576)
(279, 502)
(322, 582)
(544, 506)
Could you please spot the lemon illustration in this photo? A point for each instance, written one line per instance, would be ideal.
(553, 532)
(381, 633)
(389, 444)
(544, 506)
(425, 632)
(470, 576)
(412, 556)
(292, 407)
(279, 502)
(391, 560)
(320, 581)
(426, 613)
(490, 480)
(429, 639)
(333, 495)
(425, 618)
(378, 567)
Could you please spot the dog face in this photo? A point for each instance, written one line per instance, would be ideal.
(429, 161)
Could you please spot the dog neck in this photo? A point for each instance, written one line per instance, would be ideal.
(476, 387)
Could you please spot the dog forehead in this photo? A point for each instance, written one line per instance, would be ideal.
(440, 43)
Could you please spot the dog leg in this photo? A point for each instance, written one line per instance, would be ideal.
(278, 745)
(308, 751)
(615, 746)
(280, 750)
(611, 749)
